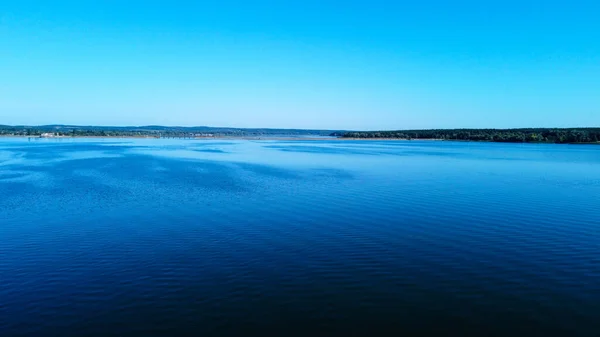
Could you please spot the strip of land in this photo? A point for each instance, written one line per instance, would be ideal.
(531, 135)
(155, 131)
(526, 135)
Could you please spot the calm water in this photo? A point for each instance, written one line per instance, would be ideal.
(308, 238)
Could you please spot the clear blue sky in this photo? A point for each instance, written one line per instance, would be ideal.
(303, 64)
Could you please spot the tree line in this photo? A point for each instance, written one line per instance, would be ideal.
(528, 135)
(534, 135)
(33, 132)
(151, 131)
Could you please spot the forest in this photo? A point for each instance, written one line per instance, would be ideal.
(533, 135)
(530, 135)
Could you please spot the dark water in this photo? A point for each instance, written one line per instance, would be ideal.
(306, 238)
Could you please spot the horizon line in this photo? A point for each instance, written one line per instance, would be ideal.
(284, 128)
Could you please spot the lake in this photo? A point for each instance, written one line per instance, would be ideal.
(123, 237)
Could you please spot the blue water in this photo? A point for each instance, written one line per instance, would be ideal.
(309, 238)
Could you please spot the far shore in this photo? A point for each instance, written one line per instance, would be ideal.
(283, 138)
(218, 138)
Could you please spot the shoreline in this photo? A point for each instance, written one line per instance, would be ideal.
(294, 138)
(282, 138)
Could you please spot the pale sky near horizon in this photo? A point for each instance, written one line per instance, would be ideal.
(311, 64)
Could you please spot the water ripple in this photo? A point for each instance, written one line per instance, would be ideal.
(179, 238)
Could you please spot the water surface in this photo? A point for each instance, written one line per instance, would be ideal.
(121, 237)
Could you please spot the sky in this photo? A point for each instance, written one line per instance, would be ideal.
(354, 65)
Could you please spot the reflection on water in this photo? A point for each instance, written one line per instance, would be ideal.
(203, 237)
